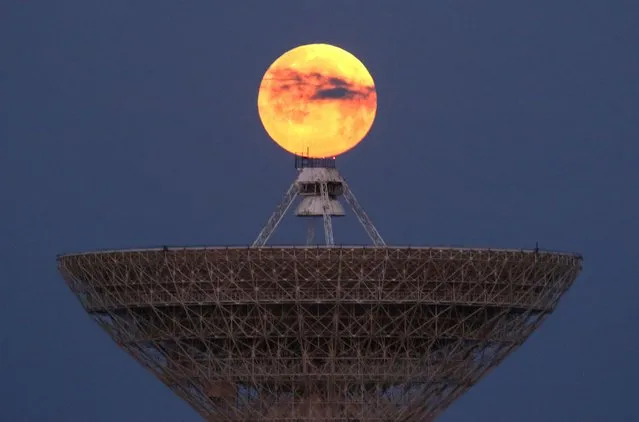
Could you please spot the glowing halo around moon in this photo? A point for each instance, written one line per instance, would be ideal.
(317, 100)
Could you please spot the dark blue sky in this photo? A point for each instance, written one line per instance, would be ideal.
(132, 124)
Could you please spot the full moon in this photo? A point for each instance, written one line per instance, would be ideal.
(317, 100)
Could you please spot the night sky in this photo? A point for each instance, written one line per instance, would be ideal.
(500, 124)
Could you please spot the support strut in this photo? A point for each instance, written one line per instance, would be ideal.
(310, 231)
(328, 224)
(277, 216)
(320, 186)
(361, 215)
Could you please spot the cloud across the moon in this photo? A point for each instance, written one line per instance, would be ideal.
(315, 86)
(317, 100)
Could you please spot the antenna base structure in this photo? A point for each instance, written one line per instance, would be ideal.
(319, 185)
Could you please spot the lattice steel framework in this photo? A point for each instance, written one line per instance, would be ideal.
(319, 333)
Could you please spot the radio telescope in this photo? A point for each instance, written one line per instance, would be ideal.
(319, 332)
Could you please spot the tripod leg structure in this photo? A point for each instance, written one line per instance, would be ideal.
(361, 215)
(310, 231)
(320, 189)
(328, 224)
(277, 216)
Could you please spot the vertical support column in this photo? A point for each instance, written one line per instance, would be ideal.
(328, 224)
(310, 231)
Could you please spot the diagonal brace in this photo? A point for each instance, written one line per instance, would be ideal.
(277, 216)
(361, 215)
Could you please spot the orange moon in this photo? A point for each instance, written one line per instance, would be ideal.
(317, 100)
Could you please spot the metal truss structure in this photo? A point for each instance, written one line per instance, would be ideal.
(319, 333)
(320, 185)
